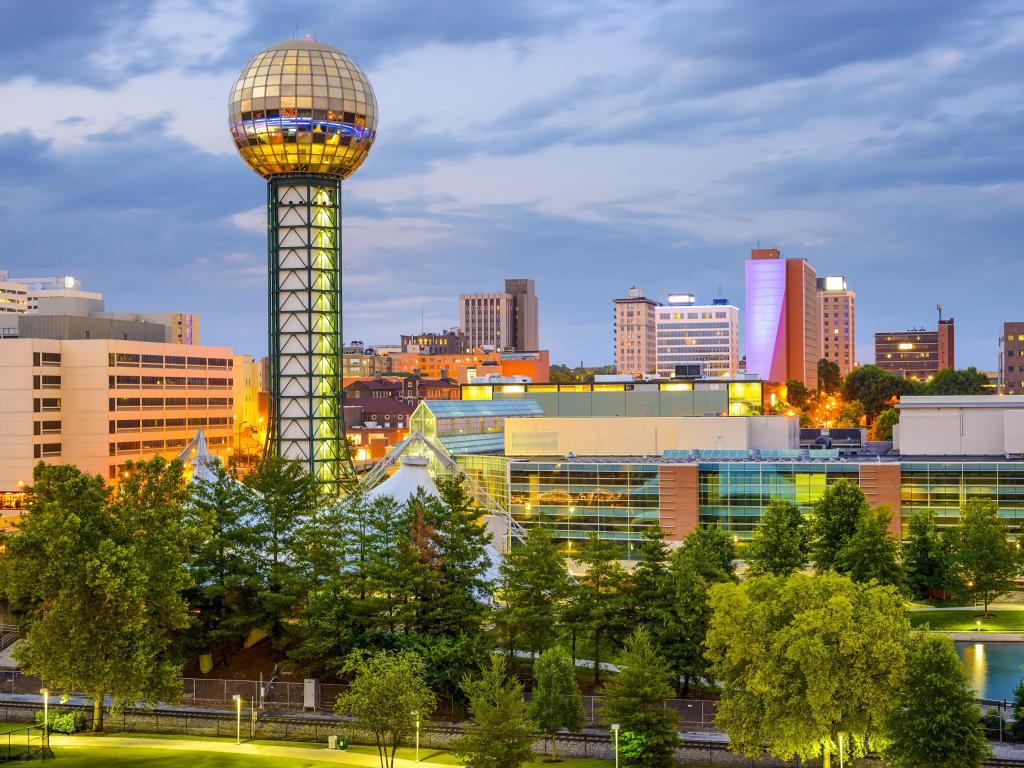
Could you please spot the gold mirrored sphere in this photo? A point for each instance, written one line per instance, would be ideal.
(303, 107)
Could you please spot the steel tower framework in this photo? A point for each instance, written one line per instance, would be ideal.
(304, 274)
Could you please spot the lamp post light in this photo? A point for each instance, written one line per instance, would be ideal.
(46, 709)
(615, 730)
(416, 714)
(841, 734)
(979, 625)
(238, 718)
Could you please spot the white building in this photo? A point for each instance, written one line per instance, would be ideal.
(960, 425)
(688, 333)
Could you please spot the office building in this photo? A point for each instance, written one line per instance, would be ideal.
(838, 315)
(1011, 359)
(360, 362)
(783, 318)
(450, 342)
(100, 403)
(702, 337)
(13, 296)
(465, 368)
(502, 321)
(635, 330)
(917, 353)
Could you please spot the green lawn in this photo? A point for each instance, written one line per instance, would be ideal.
(966, 621)
(88, 757)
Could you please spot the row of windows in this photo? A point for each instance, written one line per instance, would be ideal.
(167, 361)
(170, 403)
(137, 425)
(143, 446)
(136, 382)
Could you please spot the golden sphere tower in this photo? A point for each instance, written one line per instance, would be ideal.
(303, 115)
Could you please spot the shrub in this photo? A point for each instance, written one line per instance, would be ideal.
(64, 720)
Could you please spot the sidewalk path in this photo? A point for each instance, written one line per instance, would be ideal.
(265, 750)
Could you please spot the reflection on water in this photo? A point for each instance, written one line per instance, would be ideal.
(994, 669)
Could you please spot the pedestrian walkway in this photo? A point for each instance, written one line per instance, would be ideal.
(264, 750)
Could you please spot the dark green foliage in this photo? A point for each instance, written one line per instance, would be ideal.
(225, 590)
(64, 720)
(1018, 712)
(712, 552)
(500, 734)
(874, 387)
(597, 606)
(779, 546)
(936, 723)
(872, 554)
(797, 394)
(287, 498)
(987, 561)
(968, 381)
(635, 699)
(881, 428)
(649, 583)
(833, 522)
(556, 703)
(928, 561)
(829, 376)
(534, 582)
(96, 577)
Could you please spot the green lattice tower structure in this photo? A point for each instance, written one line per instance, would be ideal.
(303, 116)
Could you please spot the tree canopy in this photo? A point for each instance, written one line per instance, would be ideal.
(987, 560)
(833, 522)
(556, 702)
(500, 734)
(872, 554)
(779, 545)
(803, 658)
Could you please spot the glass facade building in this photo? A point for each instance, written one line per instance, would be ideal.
(945, 487)
(572, 499)
(734, 495)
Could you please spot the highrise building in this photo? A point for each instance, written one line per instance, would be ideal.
(303, 116)
(1011, 359)
(837, 322)
(636, 349)
(691, 334)
(917, 353)
(96, 403)
(505, 321)
(783, 318)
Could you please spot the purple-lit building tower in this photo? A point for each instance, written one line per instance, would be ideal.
(783, 318)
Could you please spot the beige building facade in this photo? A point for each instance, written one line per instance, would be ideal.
(100, 403)
(838, 315)
(636, 345)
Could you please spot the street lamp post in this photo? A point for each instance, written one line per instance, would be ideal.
(841, 734)
(238, 718)
(46, 709)
(417, 716)
(615, 730)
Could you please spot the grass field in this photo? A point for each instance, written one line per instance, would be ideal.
(966, 621)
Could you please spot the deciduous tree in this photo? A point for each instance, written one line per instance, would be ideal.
(830, 378)
(387, 692)
(96, 577)
(804, 658)
(874, 387)
(881, 428)
(987, 561)
(779, 546)
(833, 522)
(556, 702)
(928, 562)
(872, 554)
(936, 723)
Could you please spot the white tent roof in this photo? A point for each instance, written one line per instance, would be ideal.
(410, 477)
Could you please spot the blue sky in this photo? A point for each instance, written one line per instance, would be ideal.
(589, 144)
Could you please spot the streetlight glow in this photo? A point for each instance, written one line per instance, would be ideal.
(416, 714)
(238, 718)
(46, 709)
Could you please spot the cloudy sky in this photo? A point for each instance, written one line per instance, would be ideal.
(589, 144)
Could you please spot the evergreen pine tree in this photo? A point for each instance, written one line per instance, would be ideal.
(500, 734)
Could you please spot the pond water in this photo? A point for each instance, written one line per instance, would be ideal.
(993, 668)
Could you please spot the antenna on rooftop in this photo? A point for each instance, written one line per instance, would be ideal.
(939, 307)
